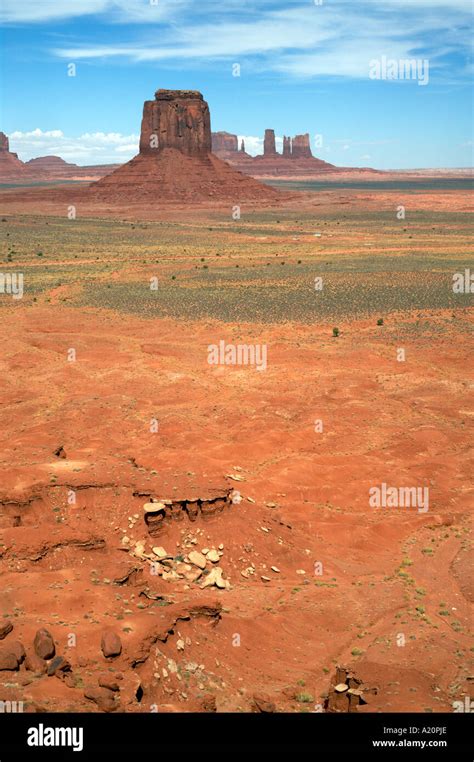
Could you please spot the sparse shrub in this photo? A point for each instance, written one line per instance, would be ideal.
(335, 332)
(380, 321)
(304, 698)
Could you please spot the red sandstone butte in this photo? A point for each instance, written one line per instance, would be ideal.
(10, 165)
(224, 142)
(175, 162)
(176, 119)
(286, 146)
(269, 148)
(300, 147)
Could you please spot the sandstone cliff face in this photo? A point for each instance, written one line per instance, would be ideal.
(300, 147)
(286, 146)
(269, 148)
(224, 142)
(176, 119)
(10, 164)
(4, 144)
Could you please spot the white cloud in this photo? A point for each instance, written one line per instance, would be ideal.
(143, 11)
(300, 40)
(253, 145)
(89, 148)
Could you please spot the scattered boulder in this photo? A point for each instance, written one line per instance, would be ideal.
(44, 644)
(197, 558)
(7, 626)
(58, 666)
(346, 693)
(161, 552)
(103, 697)
(106, 681)
(8, 660)
(215, 578)
(193, 575)
(17, 648)
(110, 644)
(213, 556)
(33, 663)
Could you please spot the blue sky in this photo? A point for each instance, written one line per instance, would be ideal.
(304, 67)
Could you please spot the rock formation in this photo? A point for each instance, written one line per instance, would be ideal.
(51, 165)
(175, 162)
(176, 119)
(300, 147)
(286, 146)
(242, 146)
(10, 165)
(269, 148)
(4, 143)
(224, 142)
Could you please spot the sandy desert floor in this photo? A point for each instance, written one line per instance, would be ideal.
(109, 402)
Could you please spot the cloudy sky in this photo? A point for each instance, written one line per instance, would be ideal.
(305, 66)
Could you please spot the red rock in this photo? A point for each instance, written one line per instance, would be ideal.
(7, 626)
(176, 119)
(10, 164)
(44, 644)
(17, 648)
(103, 697)
(111, 644)
(34, 663)
(300, 147)
(8, 660)
(224, 142)
(286, 146)
(58, 665)
(269, 148)
(106, 681)
(175, 162)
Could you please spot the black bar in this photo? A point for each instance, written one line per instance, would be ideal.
(152, 733)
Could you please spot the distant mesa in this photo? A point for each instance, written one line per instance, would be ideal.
(296, 159)
(224, 142)
(44, 167)
(175, 162)
(50, 164)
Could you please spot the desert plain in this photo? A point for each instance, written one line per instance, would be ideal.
(109, 404)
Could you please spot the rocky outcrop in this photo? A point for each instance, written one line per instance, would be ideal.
(224, 142)
(286, 146)
(300, 148)
(177, 119)
(269, 148)
(175, 162)
(10, 164)
(242, 146)
(7, 626)
(4, 142)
